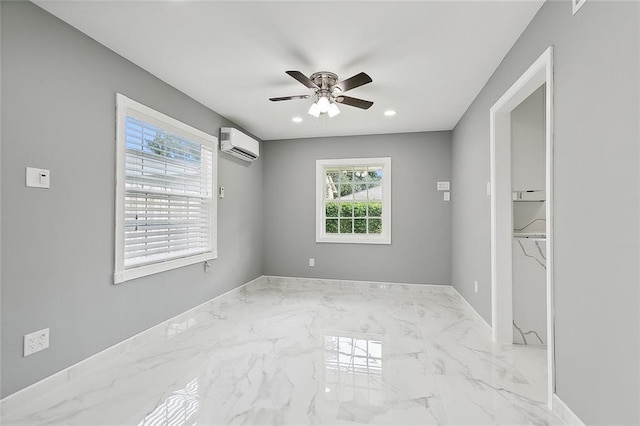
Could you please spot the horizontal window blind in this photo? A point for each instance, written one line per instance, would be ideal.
(168, 202)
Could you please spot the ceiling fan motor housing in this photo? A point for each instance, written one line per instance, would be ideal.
(325, 80)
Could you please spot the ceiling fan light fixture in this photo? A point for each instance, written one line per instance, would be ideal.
(314, 110)
(328, 92)
(323, 104)
(333, 110)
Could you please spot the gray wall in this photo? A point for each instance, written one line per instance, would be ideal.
(596, 200)
(58, 112)
(421, 239)
(528, 143)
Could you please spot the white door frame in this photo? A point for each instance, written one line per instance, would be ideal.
(539, 73)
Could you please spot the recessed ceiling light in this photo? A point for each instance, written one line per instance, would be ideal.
(297, 119)
(389, 113)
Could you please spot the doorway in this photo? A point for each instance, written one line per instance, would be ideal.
(539, 74)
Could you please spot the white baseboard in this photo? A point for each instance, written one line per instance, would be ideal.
(473, 310)
(444, 287)
(18, 399)
(565, 413)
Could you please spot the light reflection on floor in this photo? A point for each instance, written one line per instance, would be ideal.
(177, 410)
(353, 370)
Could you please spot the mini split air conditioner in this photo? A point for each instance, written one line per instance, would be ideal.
(236, 143)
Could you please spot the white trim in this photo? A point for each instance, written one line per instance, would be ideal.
(539, 73)
(18, 399)
(125, 107)
(167, 265)
(385, 236)
(444, 287)
(565, 413)
(576, 5)
(477, 316)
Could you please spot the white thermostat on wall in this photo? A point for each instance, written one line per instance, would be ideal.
(38, 178)
(443, 186)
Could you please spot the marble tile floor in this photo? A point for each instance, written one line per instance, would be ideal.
(309, 352)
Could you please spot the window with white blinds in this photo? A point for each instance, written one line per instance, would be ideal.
(166, 204)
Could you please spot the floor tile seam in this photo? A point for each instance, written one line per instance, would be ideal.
(478, 377)
(502, 391)
(497, 359)
(432, 366)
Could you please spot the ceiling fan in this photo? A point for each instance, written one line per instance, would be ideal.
(328, 92)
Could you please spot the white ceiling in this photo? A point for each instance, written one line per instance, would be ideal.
(428, 59)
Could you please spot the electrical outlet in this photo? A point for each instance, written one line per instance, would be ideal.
(475, 284)
(312, 261)
(36, 341)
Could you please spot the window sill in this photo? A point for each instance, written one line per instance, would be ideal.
(354, 239)
(142, 271)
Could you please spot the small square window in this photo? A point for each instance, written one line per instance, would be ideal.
(354, 201)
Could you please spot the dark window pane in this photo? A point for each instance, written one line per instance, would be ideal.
(346, 210)
(347, 176)
(346, 191)
(375, 226)
(346, 226)
(360, 226)
(375, 174)
(332, 226)
(360, 209)
(375, 209)
(332, 210)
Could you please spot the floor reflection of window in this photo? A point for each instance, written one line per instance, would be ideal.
(177, 409)
(353, 369)
(176, 328)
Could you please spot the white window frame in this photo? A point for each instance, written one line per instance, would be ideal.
(382, 238)
(128, 107)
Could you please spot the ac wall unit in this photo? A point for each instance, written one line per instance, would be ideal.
(236, 143)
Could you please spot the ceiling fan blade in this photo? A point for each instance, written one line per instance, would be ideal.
(303, 79)
(288, 98)
(354, 102)
(353, 82)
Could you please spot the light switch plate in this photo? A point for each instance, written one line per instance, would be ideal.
(443, 186)
(447, 196)
(38, 178)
